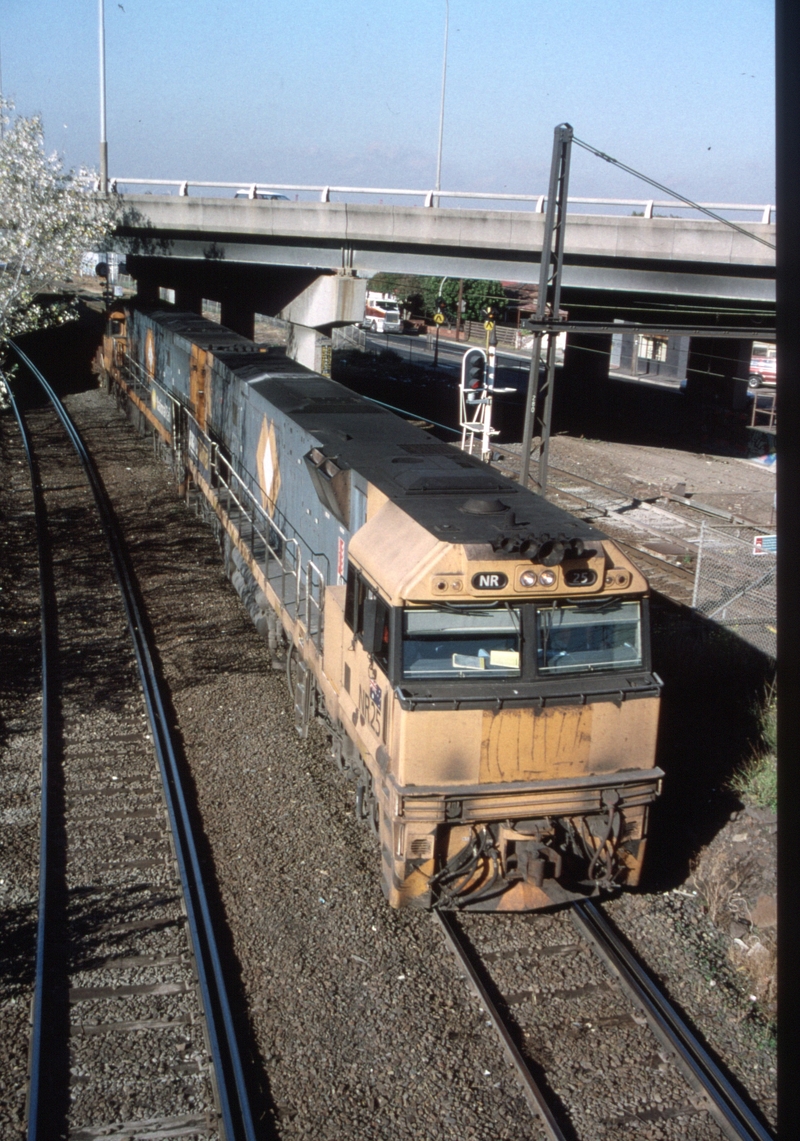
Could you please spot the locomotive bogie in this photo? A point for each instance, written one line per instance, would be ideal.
(481, 658)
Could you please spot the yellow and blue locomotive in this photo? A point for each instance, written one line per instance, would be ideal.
(481, 657)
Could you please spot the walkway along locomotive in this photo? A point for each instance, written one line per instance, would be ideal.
(481, 657)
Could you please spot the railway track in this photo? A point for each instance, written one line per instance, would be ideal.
(570, 974)
(131, 1028)
(664, 540)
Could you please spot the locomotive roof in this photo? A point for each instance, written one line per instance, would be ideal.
(453, 495)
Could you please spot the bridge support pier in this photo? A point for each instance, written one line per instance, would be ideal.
(328, 301)
(309, 347)
(147, 289)
(188, 300)
(585, 374)
(718, 370)
(311, 302)
(238, 313)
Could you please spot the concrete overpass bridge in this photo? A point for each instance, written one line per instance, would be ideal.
(307, 261)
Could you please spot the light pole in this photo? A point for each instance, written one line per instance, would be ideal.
(441, 106)
(103, 140)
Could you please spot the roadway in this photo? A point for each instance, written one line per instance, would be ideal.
(513, 365)
(677, 257)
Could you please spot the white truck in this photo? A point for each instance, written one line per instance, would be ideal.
(382, 314)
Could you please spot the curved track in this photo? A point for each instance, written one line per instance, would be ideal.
(132, 1032)
(615, 1016)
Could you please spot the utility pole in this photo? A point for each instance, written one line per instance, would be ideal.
(549, 296)
(103, 139)
(441, 105)
(459, 304)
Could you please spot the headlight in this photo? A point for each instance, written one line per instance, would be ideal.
(547, 577)
(528, 578)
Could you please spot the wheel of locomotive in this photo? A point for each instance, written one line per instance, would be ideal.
(337, 753)
(363, 799)
(375, 816)
(291, 669)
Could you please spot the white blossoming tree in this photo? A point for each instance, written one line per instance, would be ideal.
(49, 218)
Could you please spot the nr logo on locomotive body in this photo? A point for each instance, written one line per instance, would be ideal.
(489, 580)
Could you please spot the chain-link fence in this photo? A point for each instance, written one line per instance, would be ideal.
(735, 585)
(349, 337)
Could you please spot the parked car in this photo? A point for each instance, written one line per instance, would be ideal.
(264, 194)
(763, 364)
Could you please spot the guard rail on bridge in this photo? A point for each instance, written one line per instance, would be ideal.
(431, 198)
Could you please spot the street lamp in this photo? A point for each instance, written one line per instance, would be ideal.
(103, 140)
(441, 107)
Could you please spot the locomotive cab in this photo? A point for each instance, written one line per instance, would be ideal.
(504, 710)
(481, 655)
(115, 342)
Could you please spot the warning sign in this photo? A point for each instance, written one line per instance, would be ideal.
(765, 545)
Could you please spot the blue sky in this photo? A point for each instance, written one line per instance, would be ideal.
(347, 91)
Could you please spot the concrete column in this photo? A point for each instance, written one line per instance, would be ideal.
(330, 300)
(309, 347)
(717, 371)
(586, 356)
(677, 358)
(581, 397)
(586, 361)
(188, 299)
(238, 314)
(147, 290)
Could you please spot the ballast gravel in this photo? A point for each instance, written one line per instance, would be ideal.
(355, 1022)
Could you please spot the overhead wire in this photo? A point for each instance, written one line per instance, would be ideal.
(672, 193)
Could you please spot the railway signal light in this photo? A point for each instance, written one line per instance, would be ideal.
(476, 369)
(473, 374)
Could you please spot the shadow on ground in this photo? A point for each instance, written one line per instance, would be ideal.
(714, 684)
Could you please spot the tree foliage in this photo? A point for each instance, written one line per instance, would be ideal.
(49, 218)
(420, 294)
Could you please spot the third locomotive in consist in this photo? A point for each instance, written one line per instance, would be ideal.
(481, 657)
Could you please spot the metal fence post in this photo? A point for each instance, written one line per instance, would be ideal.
(698, 564)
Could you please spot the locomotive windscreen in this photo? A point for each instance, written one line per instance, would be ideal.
(460, 641)
(592, 636)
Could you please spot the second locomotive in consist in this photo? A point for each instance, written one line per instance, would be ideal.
(482, 658)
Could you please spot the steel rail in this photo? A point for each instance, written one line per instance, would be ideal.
(734, 1116)
(35, 1100)
(235, 1112)
(533, 1094)
(703, 508)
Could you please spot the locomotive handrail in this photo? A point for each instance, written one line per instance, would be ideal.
(287, 543)
(312, 572)
(289, 567)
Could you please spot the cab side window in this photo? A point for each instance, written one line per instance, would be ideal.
(367, 615)
(354, 600)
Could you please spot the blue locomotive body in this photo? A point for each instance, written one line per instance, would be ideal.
(480, 657)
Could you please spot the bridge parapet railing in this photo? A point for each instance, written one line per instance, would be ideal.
(645, 207)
